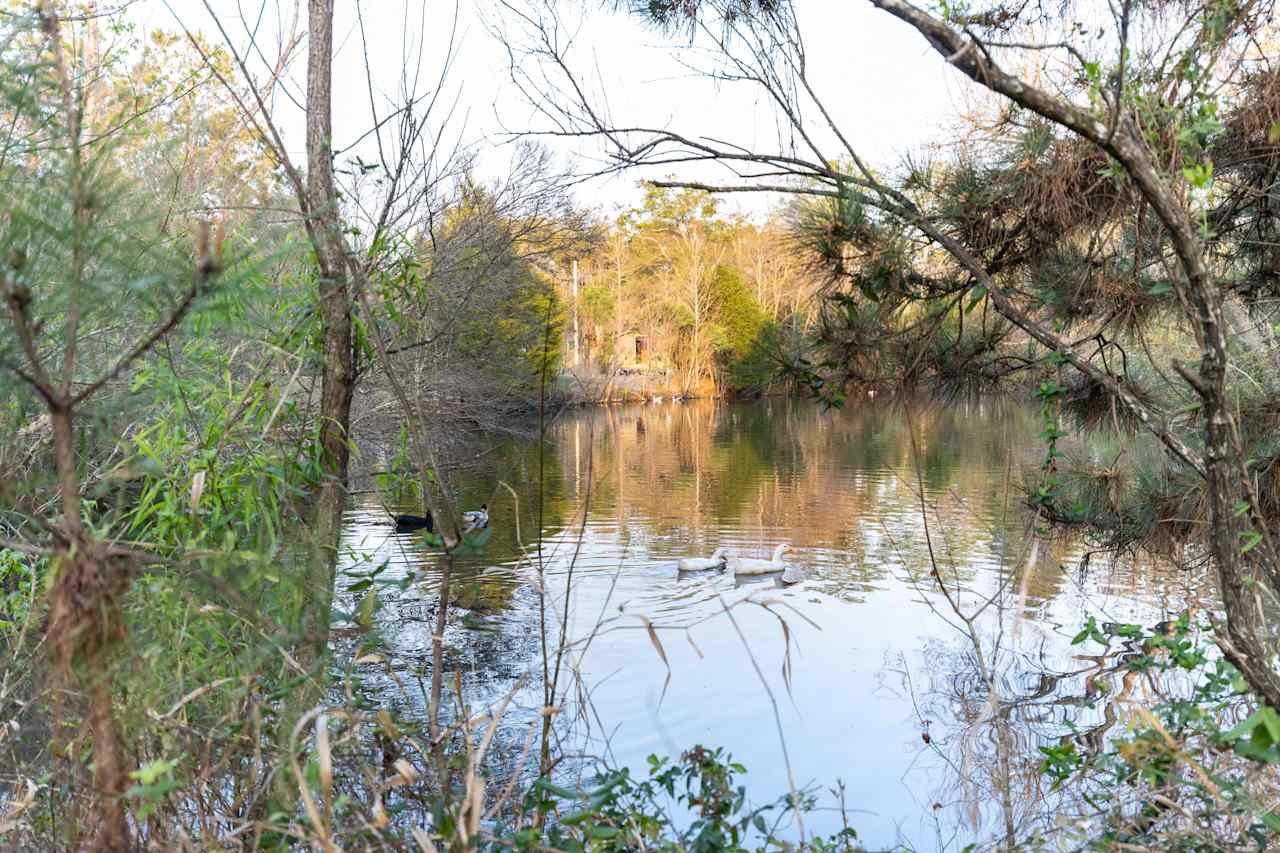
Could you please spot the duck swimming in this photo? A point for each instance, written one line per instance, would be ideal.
(698, 564)
(756, 566)
(471, 520)
(475, 519)
(409, 523)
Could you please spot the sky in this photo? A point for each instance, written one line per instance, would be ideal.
(885, 87)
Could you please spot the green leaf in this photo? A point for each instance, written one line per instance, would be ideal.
(368, 607)
(1255, 752)
(1271, 720)
(473, 541)
(1199, 174)
(559, 791)
(147, 774)
(1250, 540)
(153, 792)
(976, 293)
(1246, 727)
(1090, 631)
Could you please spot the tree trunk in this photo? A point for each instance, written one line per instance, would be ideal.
(338, 381)
(311, 621)
(109, 775)
(84, 626)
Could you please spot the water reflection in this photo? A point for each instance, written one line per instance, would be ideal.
(930, 710)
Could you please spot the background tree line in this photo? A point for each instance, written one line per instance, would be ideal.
(677, 299)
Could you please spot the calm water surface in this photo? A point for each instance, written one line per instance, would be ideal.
(871, 658)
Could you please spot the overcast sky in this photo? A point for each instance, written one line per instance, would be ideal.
(886, 88)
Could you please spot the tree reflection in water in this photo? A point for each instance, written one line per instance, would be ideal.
(630, 489)
(987, 700)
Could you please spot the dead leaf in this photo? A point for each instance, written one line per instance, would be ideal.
(325, 756)
(657, 644)
(197, 489)
(407, 771)
(17, 807)
(424, 841)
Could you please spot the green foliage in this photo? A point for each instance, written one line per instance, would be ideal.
(399, 480)
(472, 542)
(716, 298)
(206, 473)
(621, 814)
(155, 781)
(521, 333)
(596, 303)
(743, 332)
(666, 208)
(826, 226)
(1188, 750)
(1061, 761)
(469, 311)
(21, 579)
(523, 338)
(215, 481)
(1048, 393)
(530, 331)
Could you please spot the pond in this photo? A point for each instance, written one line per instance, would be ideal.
(864, 675)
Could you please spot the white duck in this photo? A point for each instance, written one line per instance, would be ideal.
(698, 564)
(756, 566)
